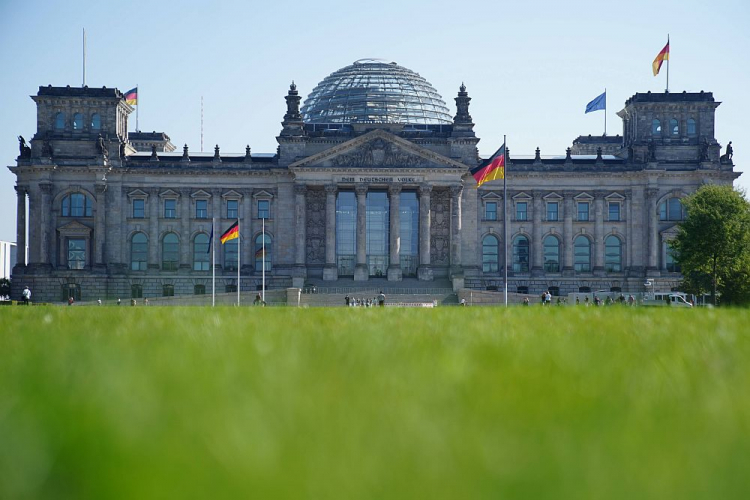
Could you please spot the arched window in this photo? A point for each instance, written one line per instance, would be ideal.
(582, 254)
(96, 122)
(60, 121)
(692, 130)
(170, 252)
(200, 253)
(674, 127)
(139, 252)
(230, 254)
(76, 205)
(490, 252)
(521, 254)
(671, 210)
(78, 121)
(263, 254)
(671, 263)
(551, 254)
(612, 254)
(655, 127)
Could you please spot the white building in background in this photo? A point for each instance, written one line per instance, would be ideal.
(7, 258)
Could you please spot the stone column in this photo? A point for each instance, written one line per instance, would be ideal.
(628, 216)
(568, 233)
(153, 229)
(456, 225)
(300, 241)
(330, 271)
(537, 268)
(599, 233)
(248, 227)
(361, 272)
(652, 219)
(100, 232)
(216, 212)
(185, 245)
(44, 219)
(20, 226)
(638, 238)
(424, 272)
(394, 267)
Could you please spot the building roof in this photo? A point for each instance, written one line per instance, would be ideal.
(666, 97)
(598, 139)
(148, 136)
(79, 92)
(374, 91)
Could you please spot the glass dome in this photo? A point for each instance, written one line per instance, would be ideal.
(374, 91)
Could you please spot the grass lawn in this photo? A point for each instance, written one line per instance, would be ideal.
(601, 403)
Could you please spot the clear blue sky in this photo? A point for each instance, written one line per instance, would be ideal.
(530, 67)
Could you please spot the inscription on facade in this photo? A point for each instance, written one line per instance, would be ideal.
(362, 179)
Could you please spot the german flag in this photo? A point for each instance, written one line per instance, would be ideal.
(492, 169)
(663, 56)
(232, 233)
(131, 96)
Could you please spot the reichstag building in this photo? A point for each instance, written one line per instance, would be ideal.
(370, 186)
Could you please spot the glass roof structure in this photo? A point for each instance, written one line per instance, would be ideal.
(374, 91)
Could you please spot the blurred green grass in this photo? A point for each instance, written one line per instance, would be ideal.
(367, 403)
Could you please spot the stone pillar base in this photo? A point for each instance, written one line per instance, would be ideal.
(293, 296)
(537, 272)
(395, 273)
(568, 272)
(330, 272)
(361, 272)
(424, 273)
(458, 283)
(599, 272)
(652, 271)
(298, 281)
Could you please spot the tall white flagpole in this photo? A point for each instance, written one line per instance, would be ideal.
(605, 111)
(263, 247)
(137, 106)
(505, 223)
(239, 251)
(84, 58)
(213, 263)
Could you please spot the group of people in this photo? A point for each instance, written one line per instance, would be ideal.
(379, 300)
(621, 300)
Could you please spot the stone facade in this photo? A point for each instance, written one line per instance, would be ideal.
(107, 219)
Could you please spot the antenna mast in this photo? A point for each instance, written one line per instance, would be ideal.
(84, 58)
(201, 124)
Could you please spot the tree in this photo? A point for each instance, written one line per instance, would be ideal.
(713, 244)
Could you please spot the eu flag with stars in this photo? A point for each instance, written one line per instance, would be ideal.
(598, 103)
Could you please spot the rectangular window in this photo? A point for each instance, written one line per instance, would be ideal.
(139, 209)
(264, 209)
(552, 210)
(170, 209)
(614, 211)
(76, 253)
(490, 210)
(583, 210)
(521, 207)
(167, 290)
(232, 209)
(201, 209)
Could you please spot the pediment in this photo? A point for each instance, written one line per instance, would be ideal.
(491, 196)
(614, 197)
(262, 194)
(522, 197)
(552, 197)
(583, 197)
(137, 193)
(231, 195)
(670, 233)
(74, 228)
(169, 193)
(200, 194)
(378, 149)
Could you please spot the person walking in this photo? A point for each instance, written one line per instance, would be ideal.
(26, 295)
(381, 299)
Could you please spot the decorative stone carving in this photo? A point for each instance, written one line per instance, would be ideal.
(379, 153)
(440, 227)
(316, 226)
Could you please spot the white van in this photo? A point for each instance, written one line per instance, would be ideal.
(673, 299)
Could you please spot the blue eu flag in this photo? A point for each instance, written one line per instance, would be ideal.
(598, 103)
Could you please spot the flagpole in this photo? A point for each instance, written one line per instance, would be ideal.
(239, 246)
(137, 106)
(505, 224)
(605, 113)
(668, 58)
(213, 263)
(263, 247)
(84, 58)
